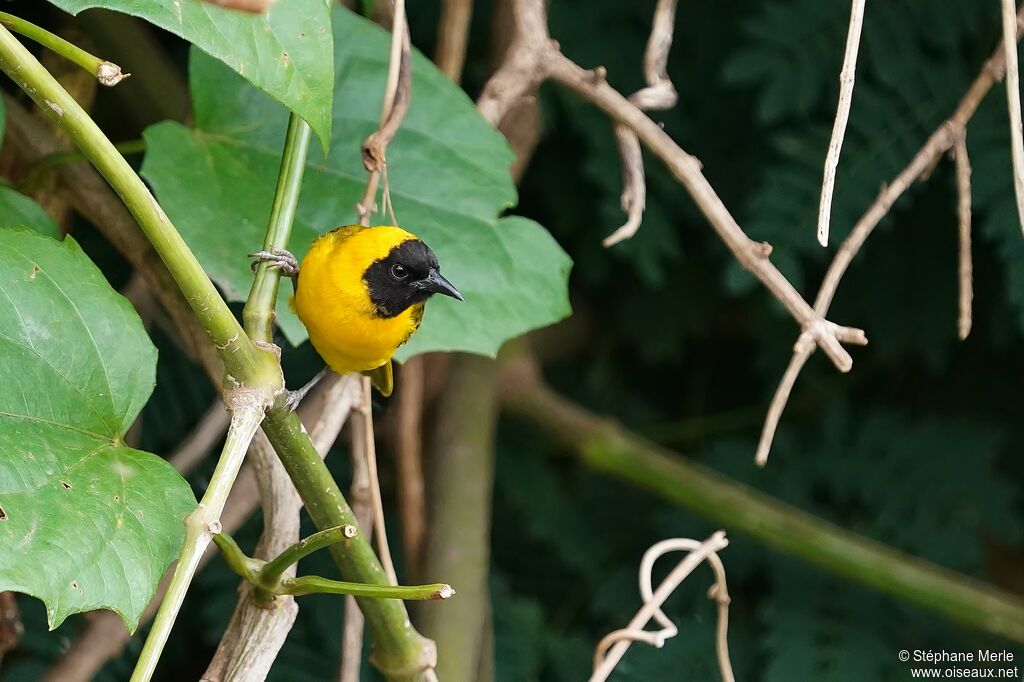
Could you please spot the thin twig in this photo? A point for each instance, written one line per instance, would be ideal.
(365, 416)
(938, 143)
(965, 274)
(612, 647)
(397, 95)
(659, 94)
(408, 446)
(1010, 28)
(835, 146)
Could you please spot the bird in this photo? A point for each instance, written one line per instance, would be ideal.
(360, 292)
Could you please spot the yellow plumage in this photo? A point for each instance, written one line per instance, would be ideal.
(333, 301)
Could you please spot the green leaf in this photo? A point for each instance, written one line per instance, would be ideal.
(448, 172)
(285, 52)
(87, 522)
(17, 210)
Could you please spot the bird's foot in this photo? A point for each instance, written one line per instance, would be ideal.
(276, 259)
(293, 398)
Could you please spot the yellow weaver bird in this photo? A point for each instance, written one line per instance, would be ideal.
(360, 292)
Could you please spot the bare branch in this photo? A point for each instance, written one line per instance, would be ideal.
(1010, 28)
(360, 495)
(752, 255)
(253, 6)
(408, 445)
(659, 94)
(613, 646)
(835, 146)
(938, 143)
(397, 94)
(965, 274)
(452, 37)
(524, 67)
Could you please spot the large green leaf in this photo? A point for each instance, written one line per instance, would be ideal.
(285, 52)
(86, 521)
(17, 210)
(449, 179)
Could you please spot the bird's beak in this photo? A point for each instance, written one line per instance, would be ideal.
(435, 283)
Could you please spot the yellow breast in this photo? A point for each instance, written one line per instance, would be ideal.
(333, 302)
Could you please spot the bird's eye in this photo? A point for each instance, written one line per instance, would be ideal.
(399, 271)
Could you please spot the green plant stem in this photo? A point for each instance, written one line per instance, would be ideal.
(258, 313)
(400, 652)
(268, 578)
(38, 171)
(244, 361)
(52, 42)
(200, 528)
(237, 560)
(312, 584)
(275, 568)
(605, 446)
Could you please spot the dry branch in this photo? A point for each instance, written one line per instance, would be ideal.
(534, 57)
(613, 646)
(965, 274)
(939, 143)
(1010, 29)
(408, 447)
(659, 94)
(835, 145)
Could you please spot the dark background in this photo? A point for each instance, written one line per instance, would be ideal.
(919, 447)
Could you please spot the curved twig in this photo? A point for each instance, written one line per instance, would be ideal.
(659, 94)
(613, 646)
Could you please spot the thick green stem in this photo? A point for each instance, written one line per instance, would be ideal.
(200, 527)
(312, 584)
(400, 652)
(607, 447)
(237, 560)
(245, 363)
(275, 568)
(266, 575)
(258, 314)
(106, 72)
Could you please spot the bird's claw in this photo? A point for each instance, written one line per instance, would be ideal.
(276, 259)
(293, 399)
